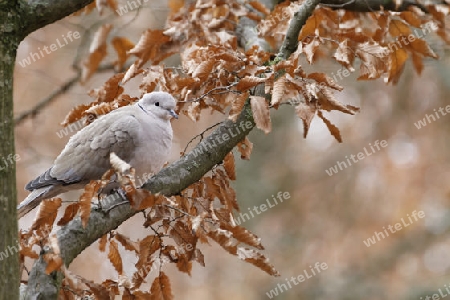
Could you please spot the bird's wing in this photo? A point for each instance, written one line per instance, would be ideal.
(86, 155)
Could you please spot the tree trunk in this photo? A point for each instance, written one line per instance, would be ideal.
(9, 249)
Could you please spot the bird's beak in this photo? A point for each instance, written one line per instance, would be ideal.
(173, 113)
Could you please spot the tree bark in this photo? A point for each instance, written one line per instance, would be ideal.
(9, 259)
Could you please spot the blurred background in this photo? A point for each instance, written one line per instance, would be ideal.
(326, 219)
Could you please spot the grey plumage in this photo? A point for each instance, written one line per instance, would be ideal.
(140, 134)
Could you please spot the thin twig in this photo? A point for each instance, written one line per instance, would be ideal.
(178, 210)
(200, 135)
(339, 5)
(223, 88)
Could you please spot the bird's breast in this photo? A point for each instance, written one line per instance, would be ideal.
(153, 150)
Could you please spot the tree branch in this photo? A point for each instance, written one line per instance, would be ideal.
(290, 42)
(36, 14)
(372, 5)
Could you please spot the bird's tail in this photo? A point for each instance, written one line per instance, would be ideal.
(34, 199)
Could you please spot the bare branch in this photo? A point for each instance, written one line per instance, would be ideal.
(372, 5)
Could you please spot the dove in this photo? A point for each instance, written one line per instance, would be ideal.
(140, 134)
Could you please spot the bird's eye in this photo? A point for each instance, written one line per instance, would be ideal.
(157, 103)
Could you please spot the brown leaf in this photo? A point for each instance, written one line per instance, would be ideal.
(102, 243)
(142, 273)
(245, 147)
(91, 63)
(112, 286)
(53, 257)
(175, 5)
(229, 166)
(228, 194)
(70, 213)
(333, 129)
(99, 291)
(261, 115)
(398, 28)
(85, 200)
(411, 18)
(161, 288)
(198, 255)
(139, 295)
(310, 49)
(127, 243)
(100, 37)
(285, 65)
(149, 46)
(47, 212)
(237, 105)
(97, 110)
(326, 80)
(225, 239)
(204, 69)
(373, 60)
(417, 62)
(397, 64)
(97, 52)
(147, 247)
(212, 188)
(121, 45)
(143, 199)
(184, 238)
(109, 90)
(328, 102)
(245, 236)
(132, 72)
(279, 88)
(151, 79)
(306, 113)
(184, 265)
(421, 46)
(345, 55)
(257, 259)
(259, 7)
(193, 111)
(75, 114)
(28, 252)
(114, 257)
(310, 26)
(444, 35)
(437, 14)
(54, 262)
(113, 5)
(248, 82)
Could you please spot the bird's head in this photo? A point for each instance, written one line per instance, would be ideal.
(161, 104)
